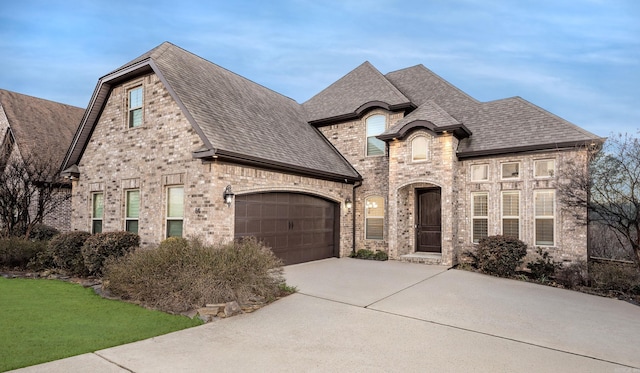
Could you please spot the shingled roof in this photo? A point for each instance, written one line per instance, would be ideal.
(236, 118)
(359, 90)
(497, 127)
(40, 126)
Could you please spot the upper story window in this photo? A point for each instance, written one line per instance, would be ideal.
(135, 106)
(97, 211)
(479, 172)
(510, 170)
(374, 218)
(376, 124)
(132, 209)
(175, 211)
(544, 168)
(419, 149)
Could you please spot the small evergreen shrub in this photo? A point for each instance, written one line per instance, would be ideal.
(370, 254)
(42, 232)
(100, 246)
(16, 252)
(181, 274)
(499, 255)
(543, 268)
(66, 252)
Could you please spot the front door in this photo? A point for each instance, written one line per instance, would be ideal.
(428, 224)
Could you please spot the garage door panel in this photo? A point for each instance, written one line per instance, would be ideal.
(298, 227)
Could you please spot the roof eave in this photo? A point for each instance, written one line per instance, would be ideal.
(360, 111)
(459, 130)
(528, 148)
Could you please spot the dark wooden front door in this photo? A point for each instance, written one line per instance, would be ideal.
(428, 225)
(297, 227)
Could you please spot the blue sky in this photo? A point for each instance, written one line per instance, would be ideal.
(579, 59)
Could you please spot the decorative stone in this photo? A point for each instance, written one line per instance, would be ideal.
(232, 309)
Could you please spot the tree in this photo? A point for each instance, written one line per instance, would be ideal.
(609, 186)
(31, 188)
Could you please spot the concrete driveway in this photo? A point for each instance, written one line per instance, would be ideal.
(364, 316)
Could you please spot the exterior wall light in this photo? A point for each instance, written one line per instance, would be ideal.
(228, 195)
(348, 204)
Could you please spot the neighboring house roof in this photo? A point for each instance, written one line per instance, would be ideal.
(40, 126)
(359, 90)
(497, 127)
(236, 118)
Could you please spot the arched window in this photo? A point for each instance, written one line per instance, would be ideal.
(419, 149)
(374, 218)
(376, 124)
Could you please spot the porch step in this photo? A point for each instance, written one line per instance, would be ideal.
(424, 258)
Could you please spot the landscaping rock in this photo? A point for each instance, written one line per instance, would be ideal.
(232, 309)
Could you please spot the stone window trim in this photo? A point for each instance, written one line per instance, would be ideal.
(134, 104)
(544, 216)
(479, 172)
(510, 170)
(96, 202)
(544, 168)
(374, 218)
(417, 154)
(479, 216)
(174, 214)
(510, 213)
(374, 147)
(132, 203)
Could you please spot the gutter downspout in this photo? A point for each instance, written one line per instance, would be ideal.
(357, 184)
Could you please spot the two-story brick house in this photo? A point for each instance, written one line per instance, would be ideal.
(172, 144)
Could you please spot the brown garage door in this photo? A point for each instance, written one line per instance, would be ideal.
(298, 227)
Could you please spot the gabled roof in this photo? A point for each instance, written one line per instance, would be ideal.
(236, 118)
(428, 115)
(347, 98)
(40, 126)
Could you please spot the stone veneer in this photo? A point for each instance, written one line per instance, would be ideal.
(158, 154)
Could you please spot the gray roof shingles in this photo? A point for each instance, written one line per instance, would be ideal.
(40, 126)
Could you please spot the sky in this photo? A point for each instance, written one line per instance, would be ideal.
(579, 59)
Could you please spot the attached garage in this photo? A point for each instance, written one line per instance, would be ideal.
(298, 227)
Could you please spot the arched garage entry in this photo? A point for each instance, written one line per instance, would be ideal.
(298, 227)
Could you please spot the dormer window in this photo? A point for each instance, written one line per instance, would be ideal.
(135, 97)
(419, 149)
(376, 124)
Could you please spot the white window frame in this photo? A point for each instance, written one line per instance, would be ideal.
(414, 146)
(477, 166)
(370, 134)
(174, 218)
(94, 218)
(475, 217)
(367, 217)
(504, 217)
(502, 165)
(132, 109)
(538, 216)
(128, 218)
(550, 172)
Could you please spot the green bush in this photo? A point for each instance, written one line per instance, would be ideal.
(42, 232)
(16, 252)
(543, 268)
(100, 246)
(181, 275)
(499, 255)
(370, 254)
(573, 276)
(66, 251)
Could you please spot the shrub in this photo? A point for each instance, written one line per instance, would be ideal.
(16, 253)
(66, 252)
(100, 246)
(543, 268)
(42, 232)
(181, 275)
(370, 254)
(573, 275)
(499, 255)
(614, 277)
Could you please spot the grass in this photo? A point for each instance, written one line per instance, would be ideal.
(45, 320)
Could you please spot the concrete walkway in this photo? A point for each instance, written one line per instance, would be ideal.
(366, 316)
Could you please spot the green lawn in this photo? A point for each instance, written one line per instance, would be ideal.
(45, 320)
